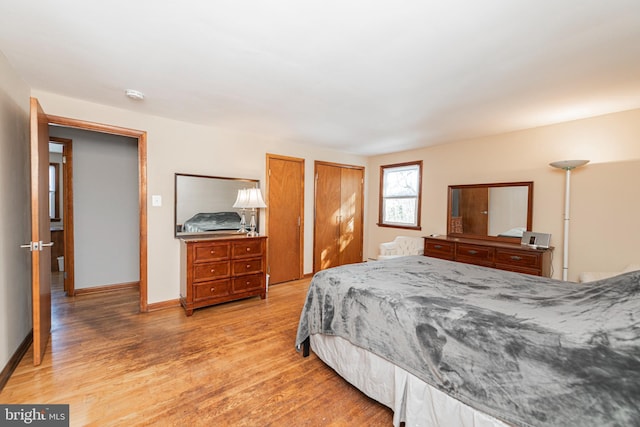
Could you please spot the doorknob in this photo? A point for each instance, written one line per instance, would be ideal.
(484, 212)
(36, 246)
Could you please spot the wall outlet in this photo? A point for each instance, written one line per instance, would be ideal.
(156, 200)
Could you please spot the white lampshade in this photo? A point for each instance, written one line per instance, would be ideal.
(254, 198)
(242, 199)
(569, 164)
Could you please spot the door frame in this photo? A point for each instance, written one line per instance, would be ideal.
(67, 209)
(141, 137)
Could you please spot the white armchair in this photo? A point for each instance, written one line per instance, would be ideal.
(401, 246)
(590, 276)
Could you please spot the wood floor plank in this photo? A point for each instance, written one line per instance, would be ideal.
(233, 364)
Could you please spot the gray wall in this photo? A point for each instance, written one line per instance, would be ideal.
(15, 263)
(105, 207)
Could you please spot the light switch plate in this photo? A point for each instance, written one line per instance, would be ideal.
(156, 200)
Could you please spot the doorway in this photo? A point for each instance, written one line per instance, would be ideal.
(141, 138)
(61, 153)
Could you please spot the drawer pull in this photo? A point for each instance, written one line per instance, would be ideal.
(211, 251)
(516, 258)
(212, 270)
(248, 265)
(438, 246)
(248, 249)
(472, 252)
(212, 289)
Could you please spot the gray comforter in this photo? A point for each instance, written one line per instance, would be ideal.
(528, 350)
(212, 221)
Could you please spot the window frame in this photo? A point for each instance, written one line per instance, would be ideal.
(382, 198)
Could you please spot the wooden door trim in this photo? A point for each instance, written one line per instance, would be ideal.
(301, 163)
(141, 136)
(339, 165)
(67, 217)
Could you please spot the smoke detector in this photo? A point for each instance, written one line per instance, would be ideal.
(134, 94)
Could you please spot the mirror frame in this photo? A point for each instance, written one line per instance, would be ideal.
(207, 234)
(528, 184)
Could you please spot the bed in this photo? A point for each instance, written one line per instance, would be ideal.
(445, 343)
(212, 221)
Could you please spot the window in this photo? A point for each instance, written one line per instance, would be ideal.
(54, 199)
(400, 195)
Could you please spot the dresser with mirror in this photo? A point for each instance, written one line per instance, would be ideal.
(485, 223)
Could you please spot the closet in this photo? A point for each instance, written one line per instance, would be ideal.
(339, 207)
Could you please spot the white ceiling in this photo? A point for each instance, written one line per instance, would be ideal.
(363, 76)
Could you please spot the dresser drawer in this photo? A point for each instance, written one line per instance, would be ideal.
(210, 271)
(248, 248)
(436, 249)
(248, 283)
(474, 254)
(518, 258)
(204, 252)
(246, 266)
(517, 269)
(209, 290)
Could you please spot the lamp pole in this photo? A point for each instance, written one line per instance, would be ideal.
(567, 166)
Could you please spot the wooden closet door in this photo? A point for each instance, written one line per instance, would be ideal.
(351, 215)
(338, 227)
(285, 213)
(327, 217)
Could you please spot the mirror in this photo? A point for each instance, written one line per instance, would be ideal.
(204, 204)
(501, 211)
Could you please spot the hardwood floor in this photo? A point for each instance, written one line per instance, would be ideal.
(232, 364)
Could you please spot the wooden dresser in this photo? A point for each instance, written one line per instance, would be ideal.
(488, 253)
(217, 270)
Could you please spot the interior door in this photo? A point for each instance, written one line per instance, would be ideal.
(327, 217)
(351, 215)
(40, 231)
(474, 209)
(285, 208)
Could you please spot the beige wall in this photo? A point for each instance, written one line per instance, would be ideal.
(15, 263)
(175, 146)
(611, 142)
(605, 200)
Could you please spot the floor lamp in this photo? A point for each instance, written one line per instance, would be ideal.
(567, 166)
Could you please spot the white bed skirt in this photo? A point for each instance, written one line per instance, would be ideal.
(413, 401)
